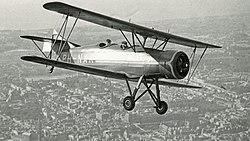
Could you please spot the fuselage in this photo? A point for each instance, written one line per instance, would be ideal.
(133, 63)
(116, 59)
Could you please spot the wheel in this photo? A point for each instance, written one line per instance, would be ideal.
(128, 103)
(163, 108)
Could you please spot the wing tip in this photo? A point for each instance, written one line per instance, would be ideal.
(28, 58)
(215, 46)
(193, 86)
(31, 37)
(51, 5)
(25, 58)
(197, 87)
(25, 36)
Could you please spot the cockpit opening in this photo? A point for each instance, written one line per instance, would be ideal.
(123, 45)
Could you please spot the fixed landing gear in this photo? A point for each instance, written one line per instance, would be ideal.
(129, 101)
(162, 109)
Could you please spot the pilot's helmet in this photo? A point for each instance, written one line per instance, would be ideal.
(124, 42)
(108, 41)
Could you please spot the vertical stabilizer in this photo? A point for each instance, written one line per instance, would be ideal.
(55, 34)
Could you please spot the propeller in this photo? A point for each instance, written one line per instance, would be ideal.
(182, 65)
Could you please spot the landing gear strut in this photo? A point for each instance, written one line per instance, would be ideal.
(129, 101)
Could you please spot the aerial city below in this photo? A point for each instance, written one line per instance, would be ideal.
(168, 79)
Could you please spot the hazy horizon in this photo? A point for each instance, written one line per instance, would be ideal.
(30, 14)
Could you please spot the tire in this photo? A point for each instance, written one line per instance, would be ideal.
(163, 108)
(128, 103)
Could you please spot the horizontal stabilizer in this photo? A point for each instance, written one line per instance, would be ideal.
(44, 39)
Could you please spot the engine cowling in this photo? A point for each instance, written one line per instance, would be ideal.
(179, 65)
(173, 64)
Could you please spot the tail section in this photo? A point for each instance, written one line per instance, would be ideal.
(57, 44)
(61, 47)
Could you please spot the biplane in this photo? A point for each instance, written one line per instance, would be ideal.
(132, 60)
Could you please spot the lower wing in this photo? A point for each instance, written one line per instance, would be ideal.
(100, 72)
(75, 67)
(168, 82)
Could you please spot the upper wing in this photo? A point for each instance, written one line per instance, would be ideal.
(122, 25)
(74, 67)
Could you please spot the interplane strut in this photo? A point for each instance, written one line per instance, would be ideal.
(61, 47)
(192, 59)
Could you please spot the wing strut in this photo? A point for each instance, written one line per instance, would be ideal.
(61, 47)
(134, 35)
(63, 26)
(68, 35)
(133, 39)
(140, 40)
(192, 61)
(192, 55)
(39, 49)
(164, 43)
(126, 38)
(155, 42)
(133, 45)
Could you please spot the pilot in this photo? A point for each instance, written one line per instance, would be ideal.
(108, 42)
(124, 45)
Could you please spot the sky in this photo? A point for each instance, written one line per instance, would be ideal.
(29, 14)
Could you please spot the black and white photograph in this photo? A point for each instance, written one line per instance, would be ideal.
(116, 70)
